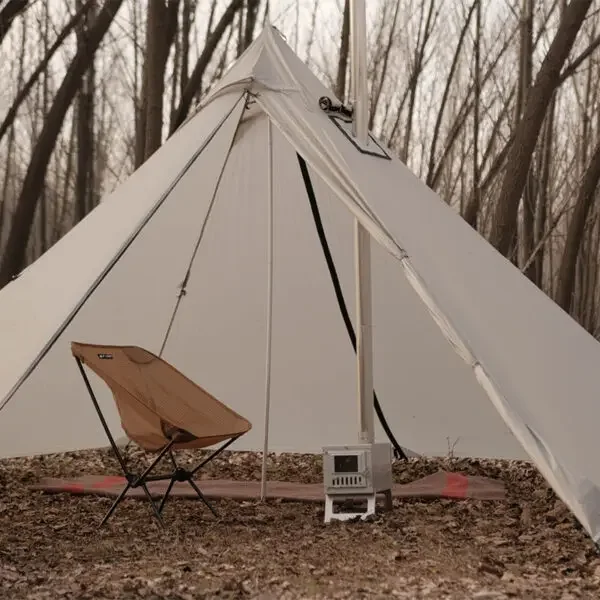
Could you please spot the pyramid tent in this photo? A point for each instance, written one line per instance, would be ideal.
(469, 356)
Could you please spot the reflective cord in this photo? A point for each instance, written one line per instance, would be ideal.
(184, 283)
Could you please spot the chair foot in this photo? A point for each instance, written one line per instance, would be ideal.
(201, 496)
(166, 496)
(154, 509)
(112, 509)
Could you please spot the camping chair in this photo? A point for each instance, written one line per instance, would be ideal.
(161, 410)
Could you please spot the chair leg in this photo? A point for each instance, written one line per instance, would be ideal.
(201, 496)
(154, 509)
(215, 454)
(112, 509)
(142, 478)
(165, 497)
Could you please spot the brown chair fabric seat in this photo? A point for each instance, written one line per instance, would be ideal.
(155, 400)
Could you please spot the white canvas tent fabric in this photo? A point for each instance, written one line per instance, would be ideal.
(518, 378)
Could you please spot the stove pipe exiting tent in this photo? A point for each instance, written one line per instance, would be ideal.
(358, 76)
(362, 245)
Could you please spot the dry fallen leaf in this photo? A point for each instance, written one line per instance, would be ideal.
(51, 547)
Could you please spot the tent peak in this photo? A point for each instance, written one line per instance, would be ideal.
(268, 64)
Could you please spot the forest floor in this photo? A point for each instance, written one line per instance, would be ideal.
(528, 546)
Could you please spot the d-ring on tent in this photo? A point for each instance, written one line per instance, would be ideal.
(468, 354)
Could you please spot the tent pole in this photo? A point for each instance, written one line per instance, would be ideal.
(364, 334)
(263, 479)
(362, 239)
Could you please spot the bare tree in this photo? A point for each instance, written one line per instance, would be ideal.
(160, 34)
(424, 37)
(504, 223)
(312, 30)
(382, 62)
(525, 77)
(43, 200)
(14, 254)
(462, 115)
(536, 271)
(476, 108)
(195, 80)
(186, 26)
(585, 199)
(10, 159)
(85, 123)
(250, 24)
(9, 11)
(446, 94)
(40, 69)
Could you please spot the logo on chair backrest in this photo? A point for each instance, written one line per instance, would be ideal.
(103, 356)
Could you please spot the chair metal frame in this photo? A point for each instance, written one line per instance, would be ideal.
(135, 480)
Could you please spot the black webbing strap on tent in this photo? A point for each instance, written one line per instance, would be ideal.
(398, 451)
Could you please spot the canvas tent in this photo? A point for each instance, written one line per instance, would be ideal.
(469, 356)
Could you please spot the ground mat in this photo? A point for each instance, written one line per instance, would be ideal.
(439, 485)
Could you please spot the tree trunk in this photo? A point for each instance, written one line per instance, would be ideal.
(379, 80)
(209, 26)
(8, 13)
(14, 255)
(176, 72)
(221, 62)
(251, 16)
(139, 93)
(525, 77)
(541, 209)
(446, 94)
(473, 204)
(195, 80)
(240, 33)
(85, 125)
(521, 151)
(24, 91)
(60, 222)
(10, 159)
(43, 201)
(160, 33)
(415, 74)
(590, 307)
(312, 30)
(189, 7)
(585, 200)
(463, 113)
(476, 109)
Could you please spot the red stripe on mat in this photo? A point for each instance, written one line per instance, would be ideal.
(74, 488)
(109, 481)
(457, 486)
(437, 485)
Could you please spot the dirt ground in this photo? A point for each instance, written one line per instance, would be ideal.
(528, 546)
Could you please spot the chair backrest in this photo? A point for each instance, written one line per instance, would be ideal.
(155, 400)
